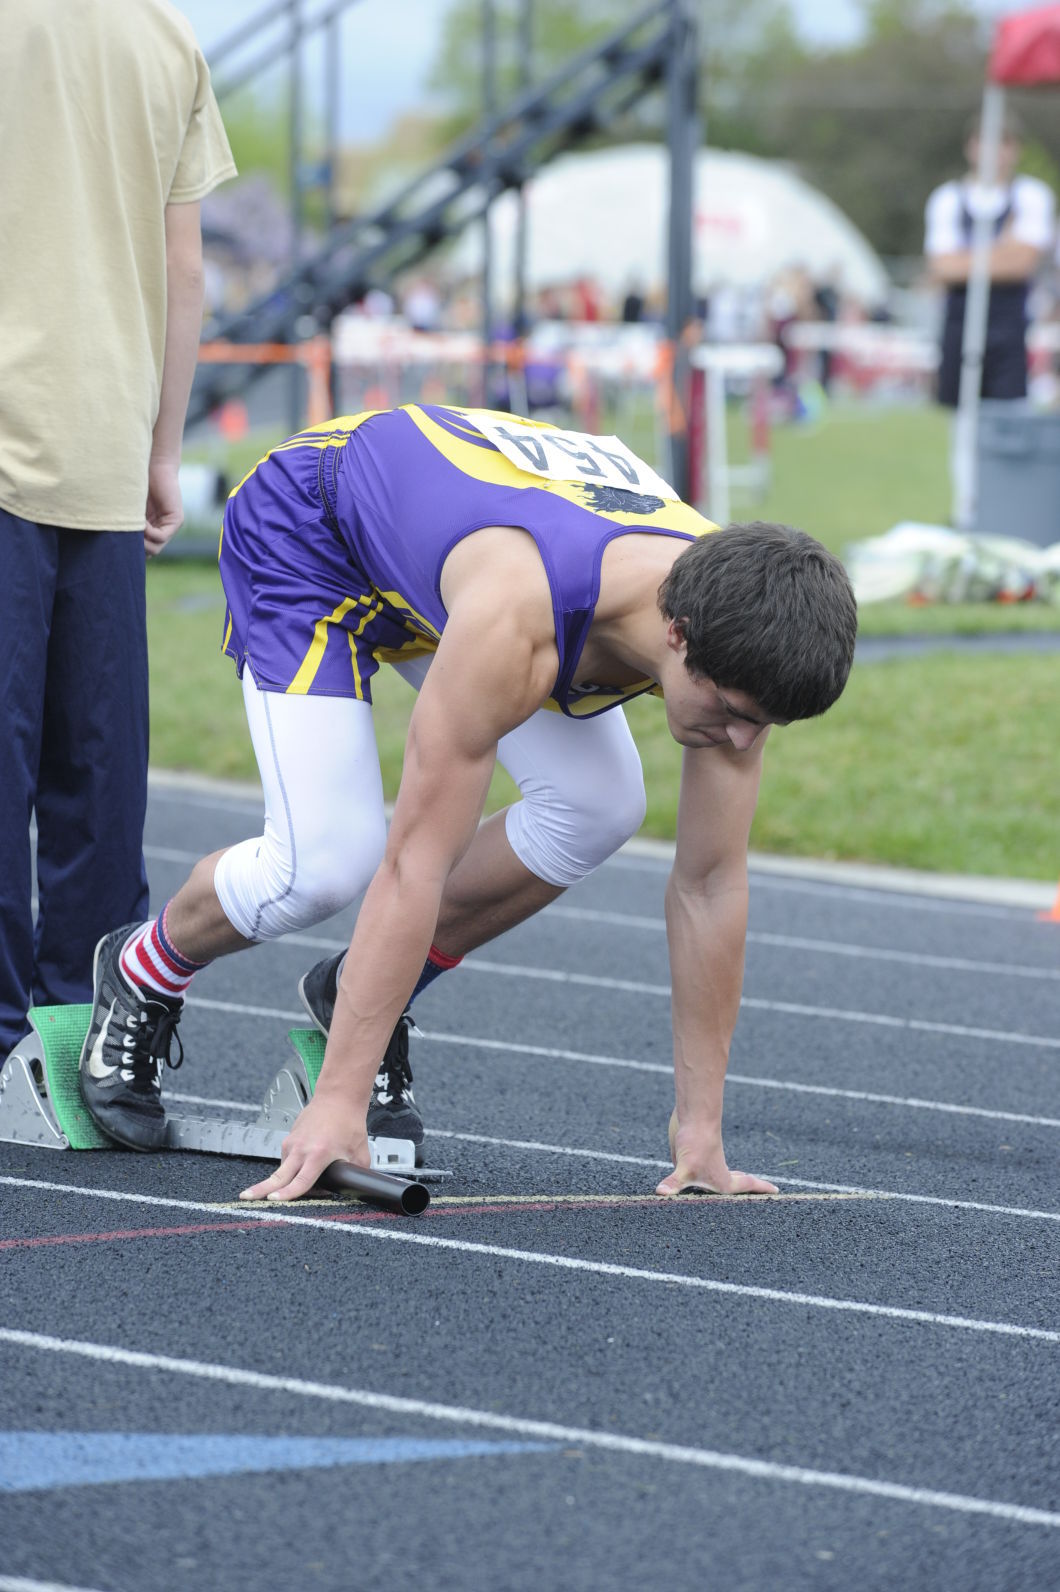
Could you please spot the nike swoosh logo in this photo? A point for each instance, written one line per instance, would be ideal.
(96, 1065)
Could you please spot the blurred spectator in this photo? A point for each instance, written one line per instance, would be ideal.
(633, 304)
(789, 299)
(1021, 211)
(378, 304)
(826, 304)
(422, 306)
(587, 300)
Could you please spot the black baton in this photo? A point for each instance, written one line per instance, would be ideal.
(395, 1193)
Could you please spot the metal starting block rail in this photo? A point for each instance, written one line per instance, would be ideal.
(40, 1104)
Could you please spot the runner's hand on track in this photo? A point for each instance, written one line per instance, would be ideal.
(699, 1162)
(323, 1132)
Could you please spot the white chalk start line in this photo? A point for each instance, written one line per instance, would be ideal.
(897, 1195)
(548, 1431)
(392, 1234)
(581, 1154)
(947, 1202)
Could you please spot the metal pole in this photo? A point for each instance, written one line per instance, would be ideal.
(332, 102)
(683, 136)
(294, 48)
(489, 107)
(526, 74)
(976, 310)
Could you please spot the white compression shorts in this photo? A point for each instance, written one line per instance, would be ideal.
(580, 781)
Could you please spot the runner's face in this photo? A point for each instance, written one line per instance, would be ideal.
(700, 713)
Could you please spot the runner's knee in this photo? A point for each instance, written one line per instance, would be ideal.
(269, 886)
(562, 841)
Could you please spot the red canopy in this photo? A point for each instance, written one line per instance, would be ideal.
(1027, 48)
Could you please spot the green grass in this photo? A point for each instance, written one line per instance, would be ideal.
(942, 762)
(857, 472)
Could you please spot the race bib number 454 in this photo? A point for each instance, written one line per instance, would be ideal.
(571, 456)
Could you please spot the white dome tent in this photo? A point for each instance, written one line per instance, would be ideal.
(603, 215)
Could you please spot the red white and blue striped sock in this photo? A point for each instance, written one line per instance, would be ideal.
(437, 962)
(151, 962)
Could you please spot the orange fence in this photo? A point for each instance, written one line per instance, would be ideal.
(314, 356)
(382, 365)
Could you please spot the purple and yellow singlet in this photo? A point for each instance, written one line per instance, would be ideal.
(333, 546)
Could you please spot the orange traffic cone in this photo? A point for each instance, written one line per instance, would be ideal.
(1053, 914)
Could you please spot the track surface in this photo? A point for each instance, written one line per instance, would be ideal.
(553, 1380)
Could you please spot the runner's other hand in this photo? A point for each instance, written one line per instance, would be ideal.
(699, 1162)
(323, 1132)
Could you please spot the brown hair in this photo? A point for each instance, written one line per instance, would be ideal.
(765, 609)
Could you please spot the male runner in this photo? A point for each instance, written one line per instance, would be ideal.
(527, 581)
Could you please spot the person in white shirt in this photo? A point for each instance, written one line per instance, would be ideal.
(1022, 211)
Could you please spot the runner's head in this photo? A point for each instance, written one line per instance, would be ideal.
(766, 610)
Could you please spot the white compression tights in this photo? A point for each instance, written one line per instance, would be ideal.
(580, 780)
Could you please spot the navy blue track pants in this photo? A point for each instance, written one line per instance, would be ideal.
(73, 742)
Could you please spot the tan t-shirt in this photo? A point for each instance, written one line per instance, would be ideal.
(106, 116)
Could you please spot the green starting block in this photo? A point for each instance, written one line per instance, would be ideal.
(40, 1101)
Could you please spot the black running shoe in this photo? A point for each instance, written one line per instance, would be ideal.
(318, 990)
(127, 1044)
(392, 1112)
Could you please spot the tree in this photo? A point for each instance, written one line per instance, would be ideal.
(731, 33)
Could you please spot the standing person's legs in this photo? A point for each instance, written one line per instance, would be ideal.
(92, 786)
(1005, 368)
(31, 555)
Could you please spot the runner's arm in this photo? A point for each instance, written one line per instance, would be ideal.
(706, 925)
(486, 678)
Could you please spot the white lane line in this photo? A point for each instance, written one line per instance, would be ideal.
(791, 1008)
(167, 854)
(18, 1583)
(575, 1436)
(598, 1268)
(883, 895)
(633, 987)
(794, 942)
(466, 1041)
(550, 1053)
(909, 891)
(869, 953)
(902, 888)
